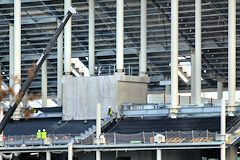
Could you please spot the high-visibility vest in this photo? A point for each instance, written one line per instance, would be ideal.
(110, 111)
(39, 135)
(44, 134)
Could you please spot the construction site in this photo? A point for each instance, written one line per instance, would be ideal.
(119, 80)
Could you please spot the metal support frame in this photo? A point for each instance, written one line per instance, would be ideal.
(193, 77)
(11, 57)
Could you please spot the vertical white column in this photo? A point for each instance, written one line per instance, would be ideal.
(198, 50)
(70, 151)
(60, 68)
(168, 89)
(174, 55)
(98, 129)
(193, 77)
(1, 156)
(44, 84)
(11, 57)
(67, 40)
(91, 37)
(159, 154)
(48, 155)
(231, 52)
(120, 35)
(143, 52)
(17, 52)
(223, 129)
(220, 89)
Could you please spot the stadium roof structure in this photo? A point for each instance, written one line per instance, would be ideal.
(39, 20)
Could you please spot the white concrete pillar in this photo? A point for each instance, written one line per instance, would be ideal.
(60, 67)
(193, 77)
(11, 57)
(17, 53)
(174, 55)
(159, 154)
(67, 39)
(48, 155)
(231, 52)
(232, 153)
(120, 35)
(220, 89)
(98, 129)
(198, 51)
(70, 151)
(223, 129)
(143, 52)
(91, 37)
(44, 83)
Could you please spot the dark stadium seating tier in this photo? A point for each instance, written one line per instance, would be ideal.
(133, 125)
(52, 125)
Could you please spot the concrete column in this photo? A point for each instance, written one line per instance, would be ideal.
(220, 89)
(223, 129)
(11, 57)
(231, 52)
(48, 155)
(91, 37)
(159, 154)
(70, 151)
(44, 84)
(120, 35)
(232, 153)
(143, 52)
(60, 68)
(98, 130)
(67, 40)
(193, 77)
(174, 55)
(17, 52)
(167, 89)
(198, 51)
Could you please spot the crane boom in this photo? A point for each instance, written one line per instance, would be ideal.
(33, 71)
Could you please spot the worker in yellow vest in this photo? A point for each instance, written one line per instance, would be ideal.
(110, 112)
(44, 134)
(39, 134)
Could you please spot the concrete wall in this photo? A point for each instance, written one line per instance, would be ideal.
(81, 94)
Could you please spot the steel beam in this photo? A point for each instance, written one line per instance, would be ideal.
(59, 67)
(44, 84)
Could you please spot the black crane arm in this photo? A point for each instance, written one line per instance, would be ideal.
(33, 71)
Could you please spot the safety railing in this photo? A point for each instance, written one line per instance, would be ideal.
(113, 138)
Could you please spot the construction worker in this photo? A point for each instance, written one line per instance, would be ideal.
(110, 112)
(39, 134)
(44, 134)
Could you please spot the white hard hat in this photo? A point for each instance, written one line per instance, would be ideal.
(44, 130)
(39, 130)
(109, 107)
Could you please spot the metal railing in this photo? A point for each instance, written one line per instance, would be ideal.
(112, 138)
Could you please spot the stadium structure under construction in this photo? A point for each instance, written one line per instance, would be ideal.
(119, 80)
